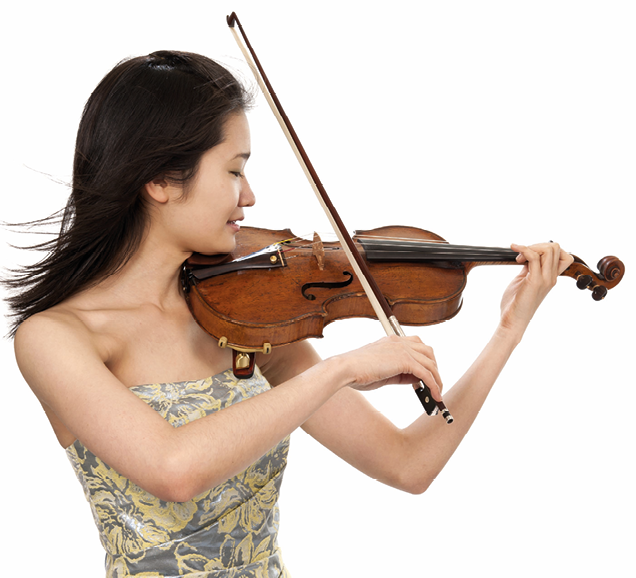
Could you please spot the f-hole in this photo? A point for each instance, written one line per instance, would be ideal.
(326, 285)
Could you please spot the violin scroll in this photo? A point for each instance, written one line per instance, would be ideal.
(610, 272)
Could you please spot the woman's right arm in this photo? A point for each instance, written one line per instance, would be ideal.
(60, 361)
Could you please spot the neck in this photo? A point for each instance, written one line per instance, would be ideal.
(150, 276)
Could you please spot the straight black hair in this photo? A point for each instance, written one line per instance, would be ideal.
(151, 116)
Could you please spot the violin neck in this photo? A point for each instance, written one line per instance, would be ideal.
(441, 254)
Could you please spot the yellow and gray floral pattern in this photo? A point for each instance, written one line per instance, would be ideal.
(227, 532)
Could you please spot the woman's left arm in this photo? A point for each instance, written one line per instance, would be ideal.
(411, 458)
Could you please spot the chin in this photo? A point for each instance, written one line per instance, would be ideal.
(219, 249)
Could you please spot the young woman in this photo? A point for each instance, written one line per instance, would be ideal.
(180, 461)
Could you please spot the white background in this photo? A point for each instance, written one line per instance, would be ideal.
(487, 122)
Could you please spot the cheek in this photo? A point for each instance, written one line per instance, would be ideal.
(215, 195)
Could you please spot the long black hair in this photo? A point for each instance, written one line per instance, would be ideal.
(150, 116)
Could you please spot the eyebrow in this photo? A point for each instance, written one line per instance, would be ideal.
(243, 156)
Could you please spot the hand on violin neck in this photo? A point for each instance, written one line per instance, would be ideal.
(393, 360)
(543, 263)
(559, 259)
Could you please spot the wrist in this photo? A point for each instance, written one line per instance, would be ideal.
(508, 336)
(334, 372)
(339, 371)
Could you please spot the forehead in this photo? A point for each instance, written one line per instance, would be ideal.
(237, 132)
(235, 144)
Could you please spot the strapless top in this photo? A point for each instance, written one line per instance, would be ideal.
(229, 531)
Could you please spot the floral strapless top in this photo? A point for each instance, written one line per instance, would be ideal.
(229, 531)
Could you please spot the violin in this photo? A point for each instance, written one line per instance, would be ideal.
(275, 288)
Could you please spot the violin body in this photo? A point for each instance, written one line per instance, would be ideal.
(254, 306)
(274, 290)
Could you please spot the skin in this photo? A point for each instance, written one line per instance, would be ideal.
(81, 356)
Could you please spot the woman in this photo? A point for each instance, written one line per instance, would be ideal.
(182, 469)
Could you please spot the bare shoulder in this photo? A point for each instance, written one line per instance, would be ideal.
(49, 323)
(50, 342)
(48, 329)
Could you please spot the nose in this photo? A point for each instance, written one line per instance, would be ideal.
(247, 198)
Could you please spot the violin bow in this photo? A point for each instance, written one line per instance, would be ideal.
(378, 301)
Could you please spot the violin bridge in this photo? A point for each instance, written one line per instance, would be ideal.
(318, 251)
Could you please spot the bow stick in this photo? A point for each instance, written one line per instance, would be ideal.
(379, 303)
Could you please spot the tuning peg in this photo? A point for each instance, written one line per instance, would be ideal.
(584, 281)
(599, 292)
(610, 272)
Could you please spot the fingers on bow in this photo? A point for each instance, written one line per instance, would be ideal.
(428, 372)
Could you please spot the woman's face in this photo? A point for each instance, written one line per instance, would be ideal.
(207, 219)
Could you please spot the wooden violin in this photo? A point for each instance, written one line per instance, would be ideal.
(275, 289)
(277, 274)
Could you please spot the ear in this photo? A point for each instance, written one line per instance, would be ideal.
(158, 189)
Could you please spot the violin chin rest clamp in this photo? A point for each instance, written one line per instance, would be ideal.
(266, 348)
(244, 358)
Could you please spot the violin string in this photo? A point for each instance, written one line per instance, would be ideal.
(295, 243)
(430, 248)
(405, 239)
(406, 242)
(439, 249)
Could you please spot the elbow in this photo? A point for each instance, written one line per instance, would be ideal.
(171, 481)
(172, 491)
(418, 487)
(178, 475)
(167, 487)
(413, 468)
(415, 483)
